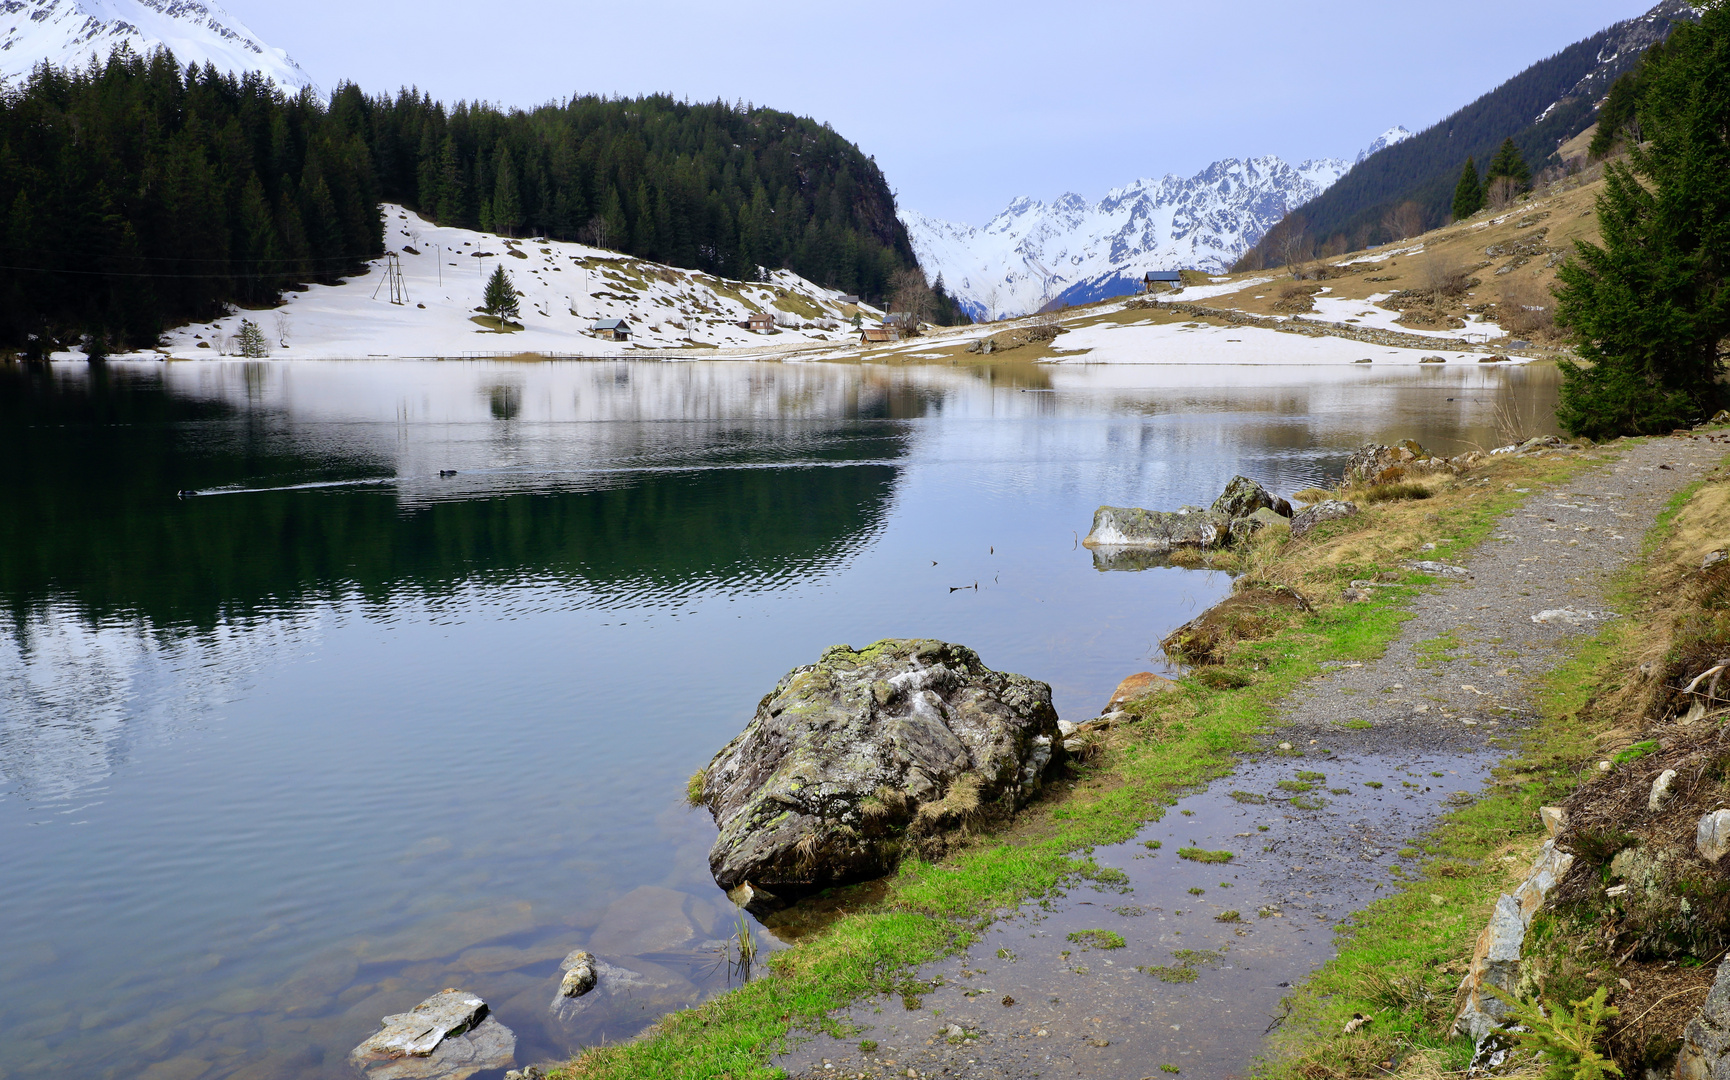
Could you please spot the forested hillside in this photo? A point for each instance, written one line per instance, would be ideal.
(1540, 108)
(137, 195)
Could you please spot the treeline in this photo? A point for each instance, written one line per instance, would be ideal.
(135, 194)
(1409, 187)
(714, 187)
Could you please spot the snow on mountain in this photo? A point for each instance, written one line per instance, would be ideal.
(1395, 134)
(1069, 250)
(69, 33)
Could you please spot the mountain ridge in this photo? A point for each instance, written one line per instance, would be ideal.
(72, 33)
(1034, 254)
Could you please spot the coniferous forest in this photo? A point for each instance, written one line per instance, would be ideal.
(136, 195)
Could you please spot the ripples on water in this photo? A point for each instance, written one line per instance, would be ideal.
(336, 732)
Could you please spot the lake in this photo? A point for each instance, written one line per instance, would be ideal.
(295, 731)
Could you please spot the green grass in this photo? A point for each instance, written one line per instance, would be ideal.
(1183, 741)
(1097, 939)
(1202, 855)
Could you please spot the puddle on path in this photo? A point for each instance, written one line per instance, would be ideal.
(1302, 862)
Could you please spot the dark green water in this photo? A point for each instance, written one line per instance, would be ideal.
(335, 733)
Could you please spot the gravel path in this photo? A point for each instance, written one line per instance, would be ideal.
(1190, 992)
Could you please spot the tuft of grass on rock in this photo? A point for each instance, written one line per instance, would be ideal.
(1201, 855)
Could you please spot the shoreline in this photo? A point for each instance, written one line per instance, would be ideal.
(1178, 747)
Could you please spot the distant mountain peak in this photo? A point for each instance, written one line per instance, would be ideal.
(70, 33)
(1395, 134)
(1033, 253)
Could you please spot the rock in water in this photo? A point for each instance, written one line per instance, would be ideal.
(1128, 526)
(449, 1036)
(1325, 511)
(1243, 497)
(579, 969)
(852, 757)
(1141, 684)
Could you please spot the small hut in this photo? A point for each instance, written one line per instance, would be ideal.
(1157, 280)
(613, 330)
(760, 321)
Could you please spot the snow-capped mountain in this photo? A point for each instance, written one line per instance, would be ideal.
(68, 33)
(1034, 253)
(1395, 134)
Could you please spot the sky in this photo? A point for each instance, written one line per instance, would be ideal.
(968, 105)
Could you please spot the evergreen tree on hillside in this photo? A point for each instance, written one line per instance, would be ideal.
(1615, 115)
(1509, 162)
(501, 297)
(1650, 308)
(1468, 193)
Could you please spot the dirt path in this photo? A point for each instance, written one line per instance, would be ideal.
(1195, 994)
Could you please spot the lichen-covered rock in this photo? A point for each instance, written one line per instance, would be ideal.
(849, 759)
(1243, 497)
(579, 978)
(1153, 530)
(1375, 464)
(1494, 973)
(446, 1037)
(1305, 520)
(1706, 1040)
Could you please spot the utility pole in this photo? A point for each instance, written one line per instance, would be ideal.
(392, 276)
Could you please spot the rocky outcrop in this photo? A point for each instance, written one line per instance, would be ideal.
(579, 977)
(448, 1036)
(1305, 520)
(1141, 684)
(850, 759)
(1153, 530)
(1403, 461)
(1706, 1040)
(1245, 527)
(1494, 974)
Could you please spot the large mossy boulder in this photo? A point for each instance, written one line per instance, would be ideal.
(1243, 497)
(1155, 530)
(850, 760)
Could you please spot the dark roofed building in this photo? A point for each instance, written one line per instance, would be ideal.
(613, 330)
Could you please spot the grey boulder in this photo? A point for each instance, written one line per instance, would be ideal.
(850, 759)
(1265, 518)
(1375, 464)
(1706, 1040)
(449, 1036)
(1305, 520)
(1154, 530)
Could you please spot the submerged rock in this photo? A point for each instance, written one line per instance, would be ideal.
(1155, 530)
(850, 758)
(449, 1036)
(1305, 520)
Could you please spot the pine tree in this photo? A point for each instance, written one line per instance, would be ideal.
(507, 202)
(1509, 162)
(251, 340)
(1650, 308)
(1468, 193)
(500, 299)
(1615, 116)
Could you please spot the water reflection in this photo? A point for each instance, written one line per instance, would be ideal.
(338, 731)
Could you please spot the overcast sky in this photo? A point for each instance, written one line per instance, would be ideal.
(967, 105)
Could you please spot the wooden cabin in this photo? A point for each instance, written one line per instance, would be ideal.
(612, 330)
(1157, 280)
(870, 335)
(760, 320)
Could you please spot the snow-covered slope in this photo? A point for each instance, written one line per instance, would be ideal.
(1034, 253)
(68, 33)
(566, 289)
(1395, 134)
